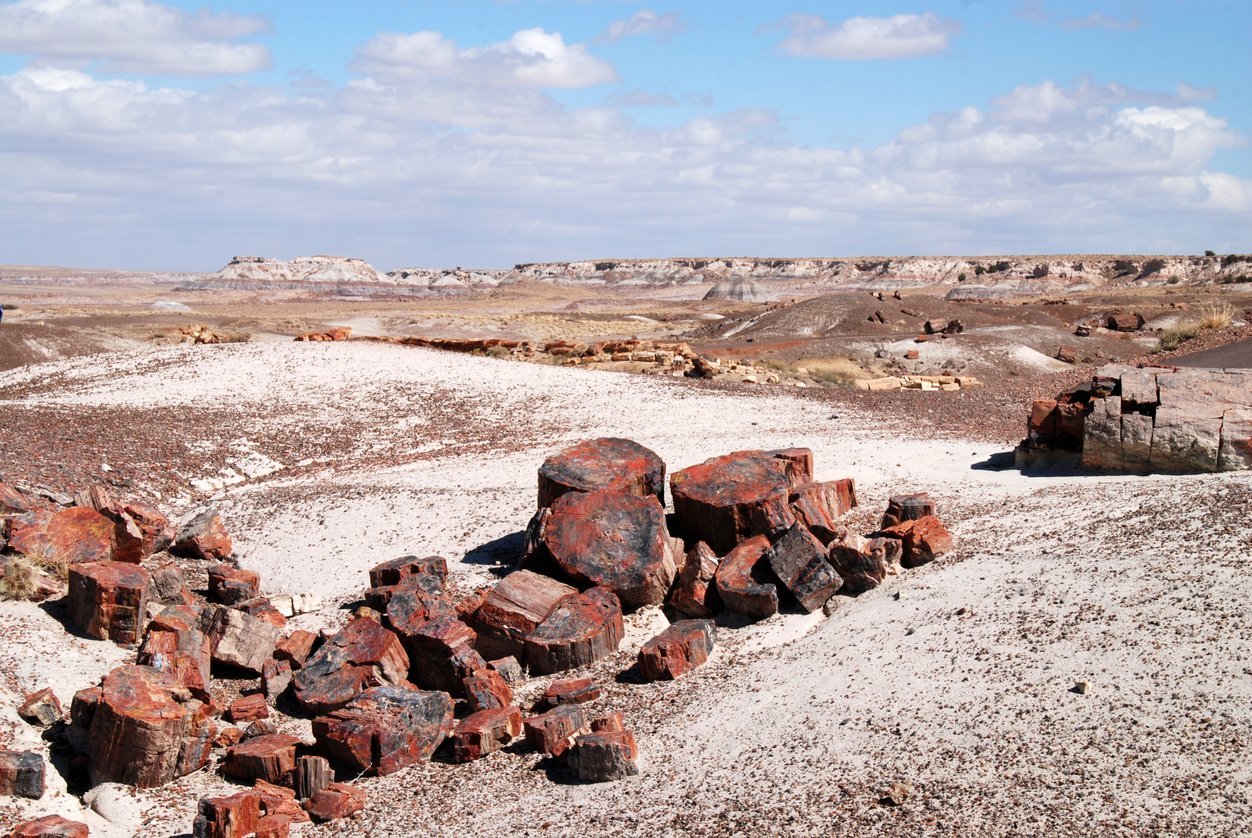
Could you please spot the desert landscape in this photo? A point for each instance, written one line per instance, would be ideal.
(1060, 648)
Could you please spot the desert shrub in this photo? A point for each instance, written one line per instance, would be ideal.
(1216, 316)
(499, 352)
(998, 267)
(979, 270)
(960, 277)
(1209, 253)
(20, 579)
(1173, 338)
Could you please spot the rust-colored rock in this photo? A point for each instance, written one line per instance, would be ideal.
(263, 608)
(50, 826)
(571, 691)
(509, 668)
(107, 600)
(799, 561)
(580, 631)
(819, 506)
(742, 580)
(923, 540)
(414, 601)
(143, 728)
(158, 532)
(296, 647)
(485, 731)
(613, 540)
(232, 585)
(280, 800)
(174, 644)
(606, 464)
(228, 816)
(41, 708)
(13, 502)
(338, 800)
(677, 650)
(241, 640)
(607, 722)
(514, 608)
(695, 593)
(65, 537)
(442, 655)
(275, 679)
(362, 655)
(276, 826)
(603, 757)
(908, 507)
(247, 708)
(313, 773)
(22, 774)
(385, 729)
(863, 563)
(553, 732)
(168, 586)
(486, 689)
(797, 462)
(729, 498)
(203, 537)
(393, 572)
(271, 758)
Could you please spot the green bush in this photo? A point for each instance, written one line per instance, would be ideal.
(1173, 338)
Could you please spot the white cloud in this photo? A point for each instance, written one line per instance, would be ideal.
(1096, 20)
(645, 22)
(864, 38)
(134, 36)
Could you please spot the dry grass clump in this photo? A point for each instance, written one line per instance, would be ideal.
(1216, 316)
(1209, 316)
(1171, 339)
(20, 579)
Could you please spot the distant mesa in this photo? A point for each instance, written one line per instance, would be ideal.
(302, 270)
(739, 289)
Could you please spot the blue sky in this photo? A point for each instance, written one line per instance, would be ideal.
(174, 135)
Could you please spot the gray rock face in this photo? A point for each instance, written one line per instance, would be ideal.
(742, 289)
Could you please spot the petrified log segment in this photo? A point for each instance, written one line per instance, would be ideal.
(571, 691)
(203, 537)
(107, 600)
(232, 585)
(263, 608)
(553, 732)
(22, 774)
(66, 537)
(819, 506)
(486, 731)
(279, 801)
(175, 645)
(908, 507)
(296, 647)
(247, 708)
(607, 464)
(487, 689)
(362, 655)
(271, 758)
(275, 679)
(338, 800)
(145, 728)
(798, 463)
(694, 593)
(677, 650)
(393, 572)
(442, 655)
(50, 826)
(580, 631)
(240, 639)
(157, 530)
(514, 608)
(385, 729)
(799, 561)
(729, 498)
(607, 722)
(41, 708)
(863, 563)
(612, 540)
(313, 773)
(604, 757)
(509, 668)
(228, 816)
(741, 579)
(922, 540)
(413, 602)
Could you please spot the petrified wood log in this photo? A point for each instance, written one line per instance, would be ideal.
(22, 774)
(694, 593)
(514, 608)
(247, 708)
(571, 691)
(603, 757)
(275, 679)
(338, 800)
(486, 689)
(729, 498)
(50, 826)
(65, 537)
(413, 602)
(819, 506)
(863, 563)
(742, 580)
(442, 655)
(677, 650)
(385, 729)
(175, 644)
(228, 816)
(271, 758)
(799, 561)
(232, 585)
(107, 600)
(923, 540)
(41, 708)
(612, 540)
(362, 655)
(296, 647)
(241, 640)
(907, 508)
(203, 537)
(486, 731)
(610, 464)
(278, 802)
(393, 572)
(580, 631)
(144, 728)
(798, 463)
(553, 732)
(313, 773)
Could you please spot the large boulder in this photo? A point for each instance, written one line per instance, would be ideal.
(66, 537)
(606, 464)
(385, 729)
(612, 540)
(514, 608)
(726, 499)
(363, 655)
(581, 630)
(107, 600)
(799, 561)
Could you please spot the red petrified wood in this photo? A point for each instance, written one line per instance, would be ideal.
(385, 729)
(923, 539)
(271, 758)
(338, 800)
(487, 689)
(69, 536)
(50, 826)
(552, 732)
(863, 563)
(580, 631)
(514, 608)
(613, 540)
(908, 507)
(603, 757)
(107, 600)
(799, 561)
(313, 773)
(232, 585)
(361, 656)
(414, 602)
(612, 464)
(203, 537)
(41, 708)
(677, 650)
(296, 647)
(571, 691)
(694, 593)
(175, 644)
(229, 816)
(442, 655)
(248, 708)
(819, 506)
(242, 640)
(728, 498)
(22, 774)
(740, 580)
(484, 732)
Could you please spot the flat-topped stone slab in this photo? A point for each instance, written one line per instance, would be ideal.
(729, 498)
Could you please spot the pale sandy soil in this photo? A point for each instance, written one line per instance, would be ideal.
(953, 679)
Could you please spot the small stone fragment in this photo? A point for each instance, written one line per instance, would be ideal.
(603, 757)
(677, 650)
(313, 773)
(863, 563)
(393, 572)
(923, 540)
(486, 689)
(337, 800)
(442, 655)
(509, 669)
(280, 801)
(552, 733)
(907, 508)
(799, 561)
(362, 655)
(41, 708)
(296, 647)
(175, 645)
(241, 640)
(22, 774)
(485, 731)
(50, 826)
(248, 708)
(271, 758)
(741, 580)
(230, 585)
(694, 593)
(819, 506)
(275, 679)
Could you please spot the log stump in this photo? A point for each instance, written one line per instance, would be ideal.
(606, 464)
(742, 580)
(362, 655)
(674, 652)
(907, 507)
(385, 729)
(484, 732)
(799, 561)
(107, 600)
(819, 506)
(580, 631)
(271, 757)
(514, 608)
(729, 498)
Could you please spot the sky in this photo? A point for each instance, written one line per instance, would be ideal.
(484, 133)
